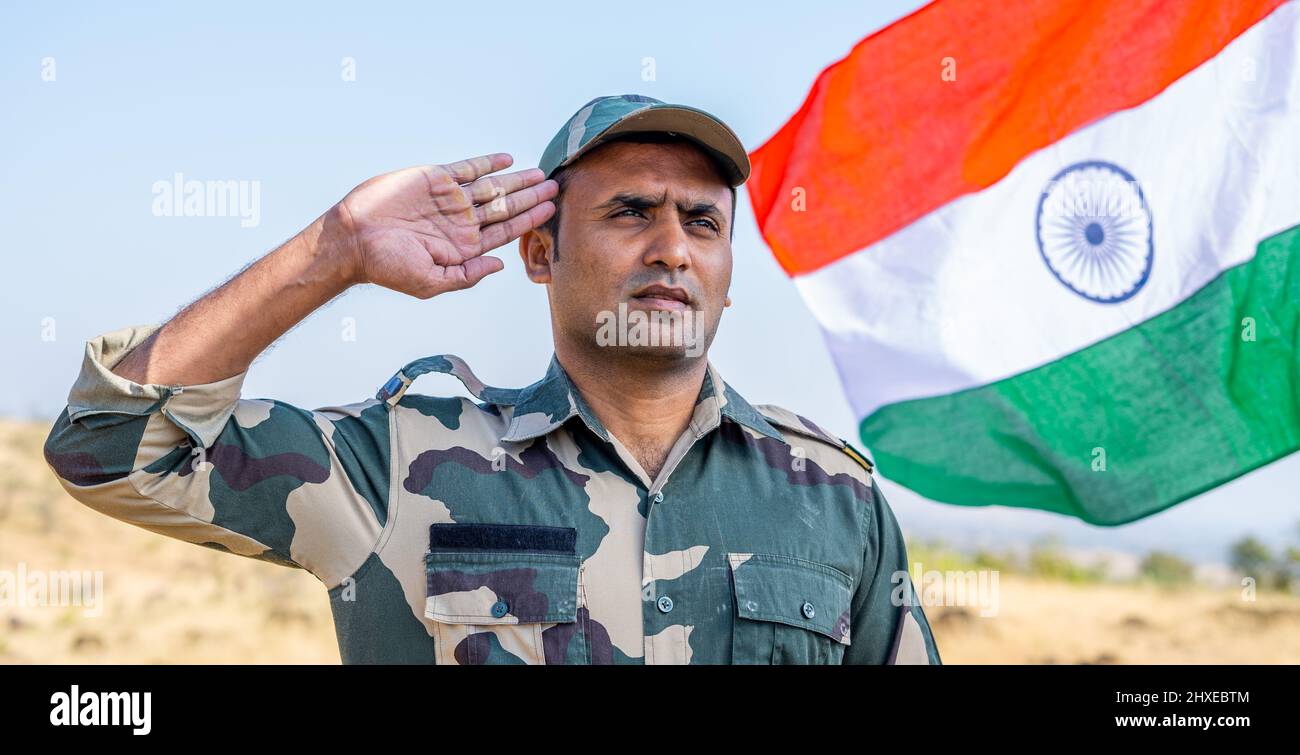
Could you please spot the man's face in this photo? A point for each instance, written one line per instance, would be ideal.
(644, 237)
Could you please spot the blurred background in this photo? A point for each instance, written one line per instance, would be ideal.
(104, 102)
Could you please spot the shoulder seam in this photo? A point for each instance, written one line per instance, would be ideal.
(769, 412)
(394, 476)
(391, 416)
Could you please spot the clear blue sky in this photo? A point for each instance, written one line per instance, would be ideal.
(254, 92)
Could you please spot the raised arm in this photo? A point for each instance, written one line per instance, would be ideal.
(156, 434)
(421, 231)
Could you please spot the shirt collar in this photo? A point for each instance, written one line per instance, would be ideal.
(554, 400)
(547, 404)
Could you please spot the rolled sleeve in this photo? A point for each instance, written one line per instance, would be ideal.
(254, 477)
(200, 410)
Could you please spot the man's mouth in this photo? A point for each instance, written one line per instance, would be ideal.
(663, 297)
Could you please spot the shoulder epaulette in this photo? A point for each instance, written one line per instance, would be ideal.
(858, 457)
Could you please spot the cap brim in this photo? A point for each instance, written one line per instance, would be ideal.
(696, 125)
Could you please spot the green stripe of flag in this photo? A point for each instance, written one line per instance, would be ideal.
(1173, 407)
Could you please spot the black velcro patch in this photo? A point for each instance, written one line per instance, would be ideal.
(503, 537)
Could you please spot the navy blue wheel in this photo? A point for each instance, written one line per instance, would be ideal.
(1094, 231)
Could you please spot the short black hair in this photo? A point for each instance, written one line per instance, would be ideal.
(552, 225)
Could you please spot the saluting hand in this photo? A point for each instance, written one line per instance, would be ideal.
(423, 231)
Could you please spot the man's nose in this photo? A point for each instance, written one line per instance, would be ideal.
(669, 245)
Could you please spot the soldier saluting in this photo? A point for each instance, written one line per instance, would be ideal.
(629, 507)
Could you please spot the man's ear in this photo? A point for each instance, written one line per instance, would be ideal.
(535, 251)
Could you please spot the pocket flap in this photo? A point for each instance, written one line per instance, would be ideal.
(485, 574)
(792, 591)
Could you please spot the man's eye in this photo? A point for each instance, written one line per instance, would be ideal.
(628, 209)
(712, 225)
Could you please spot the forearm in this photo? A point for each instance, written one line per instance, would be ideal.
(421, 231)
(220, 334)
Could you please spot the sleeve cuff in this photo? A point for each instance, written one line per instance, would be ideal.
(200, 410)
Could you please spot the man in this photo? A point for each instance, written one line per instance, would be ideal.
(629, 507)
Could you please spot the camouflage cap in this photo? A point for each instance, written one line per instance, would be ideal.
(611, 115)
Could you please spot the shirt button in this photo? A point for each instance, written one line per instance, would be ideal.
(659, 497)
(665, 604)
(808, 610)
(500, 608)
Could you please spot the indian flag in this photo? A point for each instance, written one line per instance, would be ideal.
(1054, 246)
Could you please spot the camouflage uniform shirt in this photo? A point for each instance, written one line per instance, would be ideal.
(514, 528)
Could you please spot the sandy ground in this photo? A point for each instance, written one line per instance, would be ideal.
(164, 601)
(1054, 622)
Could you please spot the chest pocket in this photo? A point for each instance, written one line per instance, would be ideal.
(788, 610)
(503, 594)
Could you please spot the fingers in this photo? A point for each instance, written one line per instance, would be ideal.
(469, 170)
(478, 268)
(507, 206)
(466, 274)
(496, 234)
(488, 188)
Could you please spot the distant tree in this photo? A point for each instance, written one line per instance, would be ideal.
(1252, 558)
(1048, 560)
(987, 559)
(1289, 569)
(1166, 568)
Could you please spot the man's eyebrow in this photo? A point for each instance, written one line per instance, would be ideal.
(646, 202)
(635, 201)
(700, 208)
